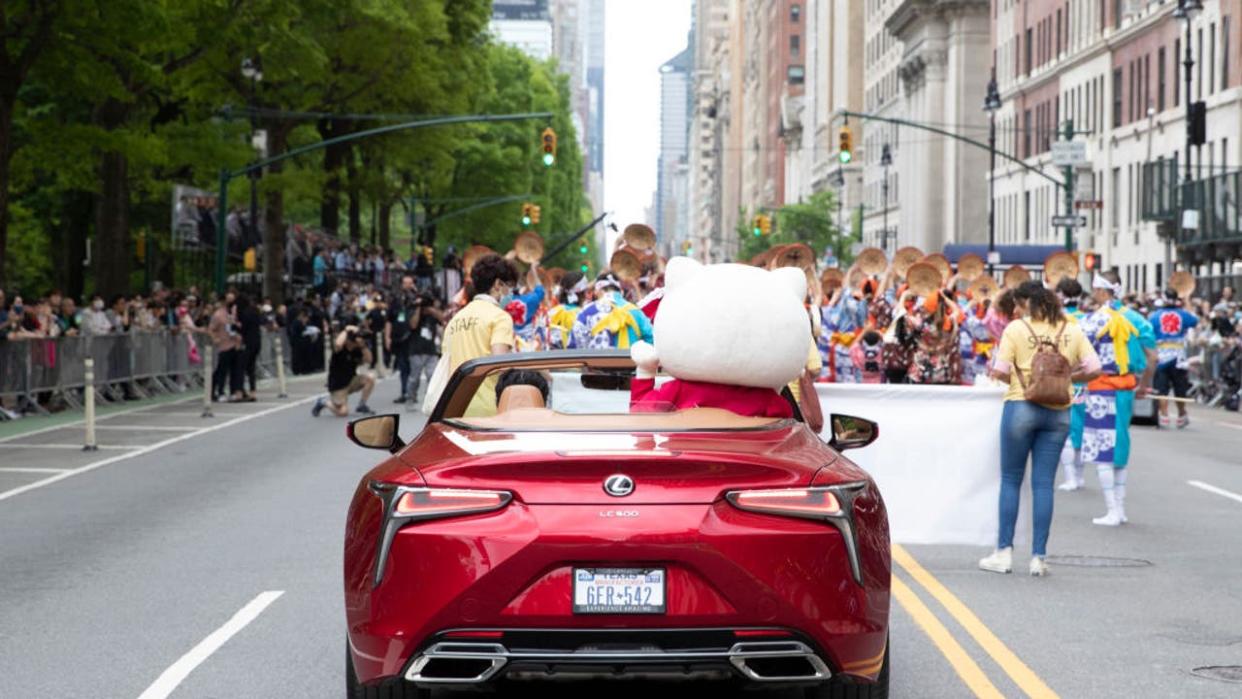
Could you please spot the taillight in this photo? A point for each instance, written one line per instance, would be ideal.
(405, 505)
(429, 503)
(833, 504)
(812, 503)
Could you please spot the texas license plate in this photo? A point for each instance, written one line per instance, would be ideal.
(619, 590)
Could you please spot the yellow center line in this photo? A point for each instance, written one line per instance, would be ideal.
(1023, 676)
(962, 663)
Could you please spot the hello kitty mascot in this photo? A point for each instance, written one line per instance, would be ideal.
(731, 336)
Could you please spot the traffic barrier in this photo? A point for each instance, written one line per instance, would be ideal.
(37, 372)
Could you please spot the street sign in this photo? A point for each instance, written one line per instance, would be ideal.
(1069, 221)
(1190, 219)
(1068, 153)
(1095, 204)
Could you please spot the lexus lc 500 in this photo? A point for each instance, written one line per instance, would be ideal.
(567, 537)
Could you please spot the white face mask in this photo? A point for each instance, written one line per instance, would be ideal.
(97, 304)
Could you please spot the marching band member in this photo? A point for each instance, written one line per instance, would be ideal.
(1127, 348)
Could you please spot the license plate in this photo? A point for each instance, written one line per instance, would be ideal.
(619, 590)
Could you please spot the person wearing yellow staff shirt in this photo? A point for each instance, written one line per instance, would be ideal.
(1030, 429)
(482, 327)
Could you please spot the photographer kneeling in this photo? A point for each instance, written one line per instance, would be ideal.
(349, 351)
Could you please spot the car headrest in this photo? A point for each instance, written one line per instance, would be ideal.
(519, 397)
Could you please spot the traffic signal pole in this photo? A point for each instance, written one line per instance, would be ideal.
(226, 176)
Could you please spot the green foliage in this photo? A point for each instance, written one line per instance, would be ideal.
(813, 222)
(153, 88)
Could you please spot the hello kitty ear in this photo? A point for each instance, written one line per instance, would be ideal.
(794, 279)
(680, 270)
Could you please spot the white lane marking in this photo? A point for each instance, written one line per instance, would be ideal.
(178, 671)
(151, 428)
(26, 469)
(79, 423)
(138, 451)
(1213, 489)
(18, 445)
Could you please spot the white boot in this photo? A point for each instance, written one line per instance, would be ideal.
(1119, 493)
(1107, 484)
(1038, 568)
(1073, 477)
(1000, 561)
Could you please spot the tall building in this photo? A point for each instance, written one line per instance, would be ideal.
(712, 240)
(593, 24)
(526, 24)
(1116, 70)
(672, 179)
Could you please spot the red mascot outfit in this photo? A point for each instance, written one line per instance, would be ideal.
(731, 336)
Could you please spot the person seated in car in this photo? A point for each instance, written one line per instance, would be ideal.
(519, 398)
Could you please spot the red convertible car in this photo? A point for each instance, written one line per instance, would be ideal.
(566, 537)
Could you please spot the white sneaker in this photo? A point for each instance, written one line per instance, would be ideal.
(1038, 568)
(1000, 561)
(1165, 421)
(1069, 485)
(1112, 519)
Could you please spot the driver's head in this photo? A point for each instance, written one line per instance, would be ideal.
(522, 377)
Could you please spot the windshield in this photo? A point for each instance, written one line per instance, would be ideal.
(578, 398)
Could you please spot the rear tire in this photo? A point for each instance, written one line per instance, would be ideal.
(391, 688)
(836, 689)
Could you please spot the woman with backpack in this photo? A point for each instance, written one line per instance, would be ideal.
(1041, 354)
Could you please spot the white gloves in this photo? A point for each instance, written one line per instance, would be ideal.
(646, 360)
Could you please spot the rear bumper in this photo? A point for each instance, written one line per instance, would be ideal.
(511, 570)
(552, 654)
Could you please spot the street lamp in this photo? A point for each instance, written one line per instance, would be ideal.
(251, 71)
(886, 161)
(992, 103)
(1186, 11)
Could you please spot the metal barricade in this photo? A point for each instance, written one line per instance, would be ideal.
(34, 370)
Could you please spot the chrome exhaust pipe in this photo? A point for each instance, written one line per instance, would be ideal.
(458, 663)
(778, 661)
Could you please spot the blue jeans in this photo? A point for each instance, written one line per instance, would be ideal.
(1029, 429)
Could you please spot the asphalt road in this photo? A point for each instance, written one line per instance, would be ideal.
(132, 569)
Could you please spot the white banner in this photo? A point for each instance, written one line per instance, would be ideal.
(937, 461)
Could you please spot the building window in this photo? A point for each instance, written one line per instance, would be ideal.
(1224, 63)
(1058, 32)
(795, 13)
(1211, 61)
(795, 47)
(1117, 7)
(1116, 98)
(797, 74)
(1177, 72)
(1026, 134)
(1160, 78)
(1029, 41)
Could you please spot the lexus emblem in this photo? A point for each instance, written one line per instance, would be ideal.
(618, 485)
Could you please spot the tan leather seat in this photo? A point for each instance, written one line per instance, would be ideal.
(515, 397)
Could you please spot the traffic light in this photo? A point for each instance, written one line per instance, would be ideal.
(583, 249)
(845, 144)
(585, 268)
(1091, 261)
(534, 213)
(756, 228)
(764, 222)
(528, 214)
(549, 147)
(687, 248)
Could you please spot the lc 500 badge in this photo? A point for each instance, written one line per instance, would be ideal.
(618, 513)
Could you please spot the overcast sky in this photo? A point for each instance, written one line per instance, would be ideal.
(640, 36)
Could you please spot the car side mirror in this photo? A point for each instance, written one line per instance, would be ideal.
(849, 432)
(376, 432)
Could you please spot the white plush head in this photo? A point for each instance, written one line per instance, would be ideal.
(732, 324)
